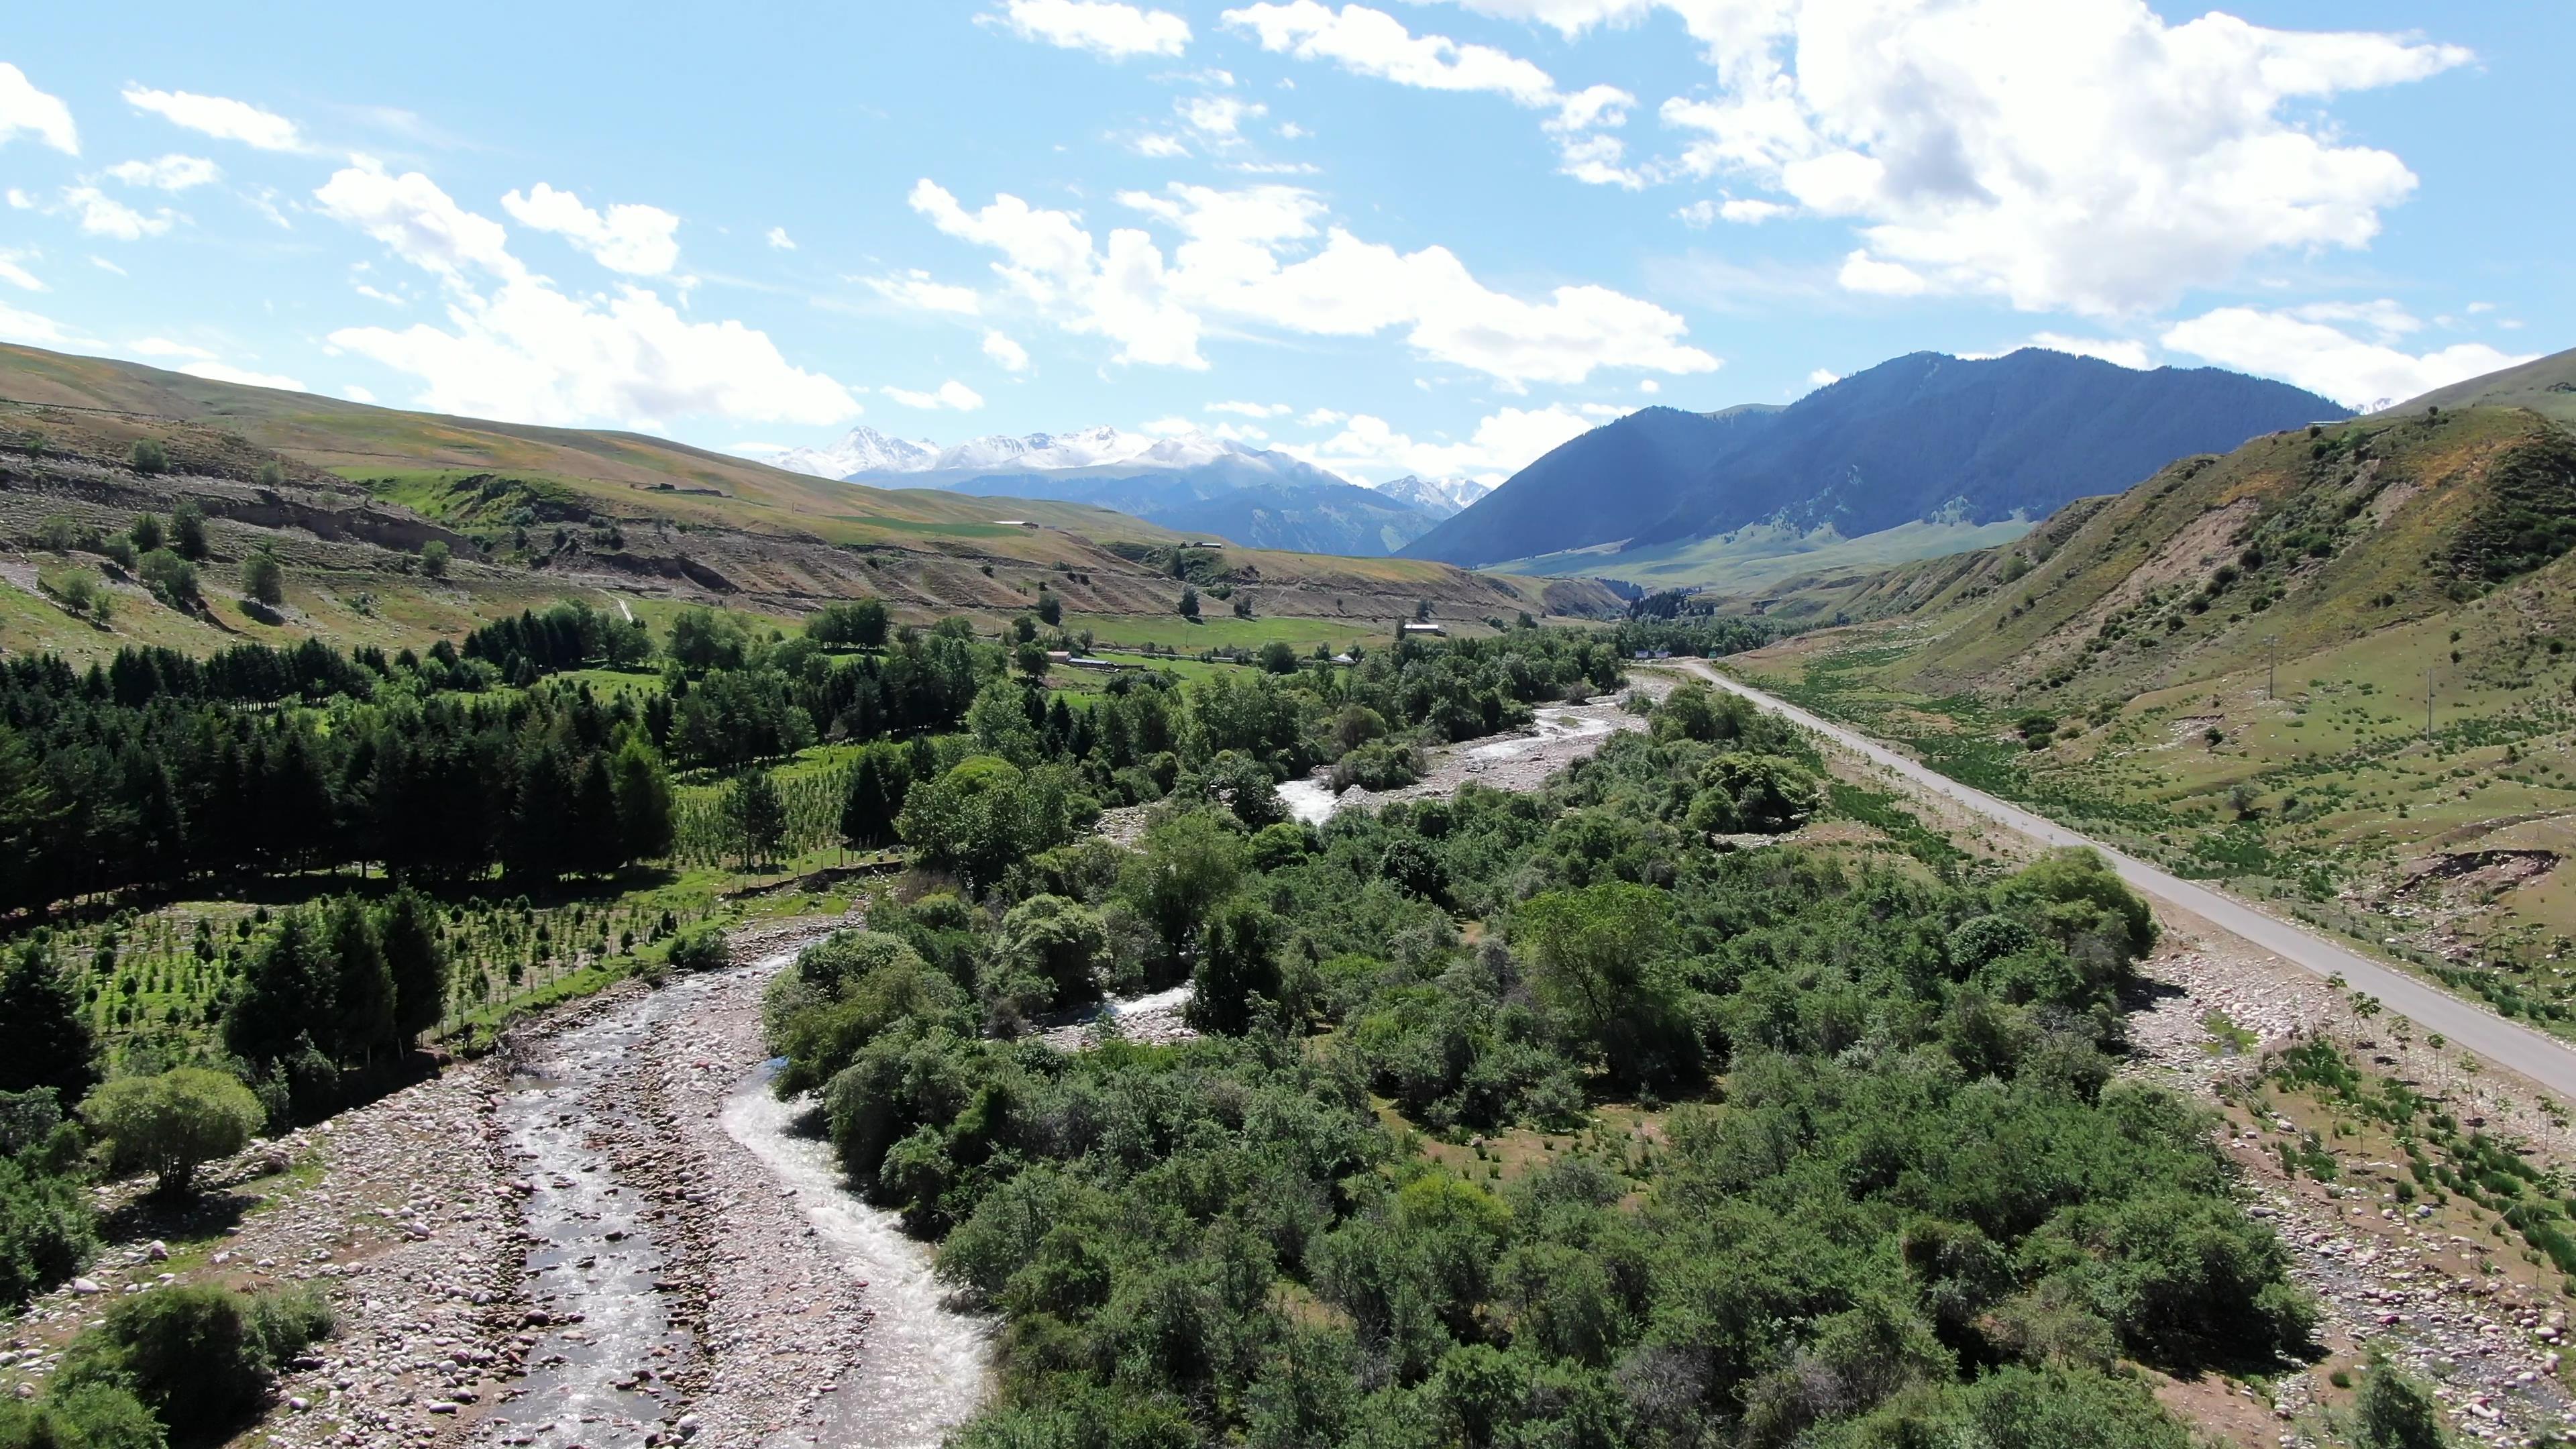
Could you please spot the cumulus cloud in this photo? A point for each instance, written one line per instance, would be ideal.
(2125, 352)
(2081, 154)
(1112, 31)
(1503, 444)
(779, 238)
(417, 221)
(1218, 118)
(355, 393)
(170, 173)
(952, 395)
(1373, 43)
(19, 326)
(919, 291)
(1569, 17)
(27, 110)
(100, 214)
(515, 347)
(1011, 355)
(2305, 346)
(1264, 255)
(218, 372)
(223, 119)
(638, 240)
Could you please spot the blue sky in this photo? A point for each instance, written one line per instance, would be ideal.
(1432, 236)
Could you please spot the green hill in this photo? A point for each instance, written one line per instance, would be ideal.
(2332, 666)
(2545, 385)
(346, 495)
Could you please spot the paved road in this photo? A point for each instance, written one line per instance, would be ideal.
(2472, 1028)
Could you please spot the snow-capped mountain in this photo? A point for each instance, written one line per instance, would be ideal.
(1190, 481)
(1439, 497)
(862, 450)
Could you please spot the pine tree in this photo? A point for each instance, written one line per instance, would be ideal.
(44, 1040)
(758, 815)
(597, 842)
(867, 815)
(363, 987)
(644, 822)
(407, 928)
(286, 989)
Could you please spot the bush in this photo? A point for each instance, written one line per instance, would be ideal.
(264, 578)
(1377, 765)
(171, 1124)
(46, 1231)
(171, 578)
(91, 1416)
(703, 949)
(149, 457)
(200, 1357)
(433, 559)
(2395, 1413)
(188, 529)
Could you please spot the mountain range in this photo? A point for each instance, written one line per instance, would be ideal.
(1922, 439)
(1256, 497)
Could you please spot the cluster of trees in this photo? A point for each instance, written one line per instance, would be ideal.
(194, 1363)
(97, 793)
(566, 636)
(328, 1005)
(1902, 1200)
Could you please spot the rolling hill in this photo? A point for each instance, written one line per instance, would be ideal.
(349, 493)
(1925, 438)
(2546, 385)
(2332, 666)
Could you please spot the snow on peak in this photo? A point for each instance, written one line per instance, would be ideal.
(861, 450)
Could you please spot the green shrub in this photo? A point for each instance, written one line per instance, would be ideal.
(199, 1356)
(171, 1124)
(148, 457)
(90, 1416)
(704, 948)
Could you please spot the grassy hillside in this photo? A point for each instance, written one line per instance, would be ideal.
(2228, 667)
(346, 495)
(2546, 385)
(1753, 557)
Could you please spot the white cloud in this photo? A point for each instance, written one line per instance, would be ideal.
(917, 290)
(1113, 31)
(2125, 352)
(1749, 211)
(23, 108)
(1862, 272)
(1322, 418)
(1011, 355)
(16, 275)
(1260, 255)
(1218, 118)
(355, 393)
(1373, 43)
(638, 240)
(420, 223)
(779, 238)
(100, 214)
(1504, 443)
(521, 350)
(1159, 146)
(1571, 17)
(1251, 409)
(380, 295)
(225, 120)
(952, 395)
(1700, 215)
(164, 347)
(1168, 428)
(1823, 377)
(1649, 386)
(2326, 359)
(2080, 154)
(20, 326)
(104, 265)
(171, 173)
(218, 372)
